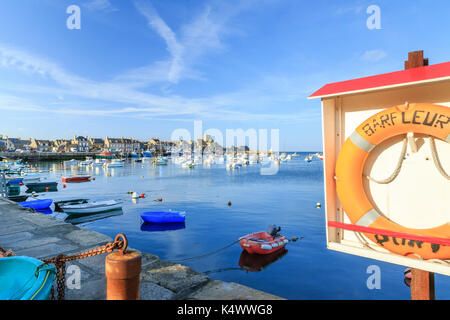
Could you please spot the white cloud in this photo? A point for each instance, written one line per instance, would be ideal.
(195, 39)
(374, 55)
(119, 96)
(128, 94)
(173, 46)
(100, 5)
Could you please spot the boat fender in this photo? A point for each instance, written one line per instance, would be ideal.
(93, 179)
(408, 273)
(266, 247)
(64, 185)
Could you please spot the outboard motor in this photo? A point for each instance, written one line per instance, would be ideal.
(273, 230)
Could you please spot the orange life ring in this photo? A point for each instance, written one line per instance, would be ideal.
(430, 119)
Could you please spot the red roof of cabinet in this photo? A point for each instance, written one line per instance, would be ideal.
(431, 73)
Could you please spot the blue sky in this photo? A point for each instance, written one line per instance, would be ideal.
(145, 68)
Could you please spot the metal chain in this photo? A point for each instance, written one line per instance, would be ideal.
(60, 261)
(6, 253)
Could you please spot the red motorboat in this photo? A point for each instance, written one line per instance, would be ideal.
(262, 242)
(76, 179)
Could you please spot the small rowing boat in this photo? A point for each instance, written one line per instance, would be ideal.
(163, 216)
(41, 186)
(13, 180)
(20, 278)
(17, 198)
(31, 177)
(115, 163)
(37, 204)
(76, 179)
(262, 242)
(91, 207)
(72, 162)
(60, 203)
(161, 162)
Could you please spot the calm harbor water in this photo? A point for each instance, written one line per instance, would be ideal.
(288, 199)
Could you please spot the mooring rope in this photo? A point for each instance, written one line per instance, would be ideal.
(397, 168)
(207, 254)
(294, 239)
(394, 175)
(436, 161)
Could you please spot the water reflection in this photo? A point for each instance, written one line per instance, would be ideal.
(258, 262)
(151, 227)
(252, 262)
(92, 217)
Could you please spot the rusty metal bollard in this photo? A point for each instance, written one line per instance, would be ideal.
(122, 269)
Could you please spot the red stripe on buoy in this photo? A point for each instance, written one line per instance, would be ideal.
(408, 236)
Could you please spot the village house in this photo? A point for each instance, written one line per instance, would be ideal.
(61, 145)
(96, 144)
(122, 145)
(81, 143)
(131, 145)
(13, 144)
(41, 145)
(114, 144)
(156, 145)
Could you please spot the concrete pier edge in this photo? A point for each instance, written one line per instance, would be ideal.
(40, 236)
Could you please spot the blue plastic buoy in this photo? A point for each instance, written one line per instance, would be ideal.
(37, 204)
(163, 216)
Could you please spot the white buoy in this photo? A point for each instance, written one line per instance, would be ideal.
(135, 195)
(318, 205)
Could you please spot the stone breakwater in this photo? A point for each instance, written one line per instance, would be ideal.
(40, 236)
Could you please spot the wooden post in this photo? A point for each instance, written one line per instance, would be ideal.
(422, 282)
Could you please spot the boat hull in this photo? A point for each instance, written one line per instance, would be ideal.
(91, 208)
(76, 179)
(59, 204)
(18, 281)
(41, 186)
(164, 216)
(37, 204)
(17, 198)
(262, 243)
